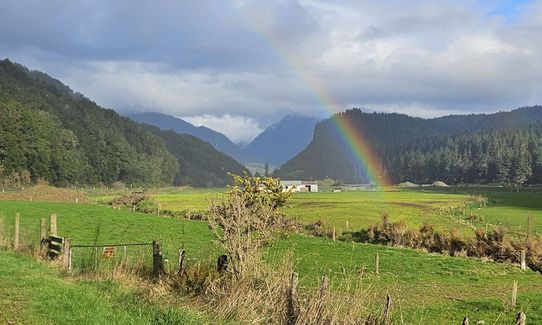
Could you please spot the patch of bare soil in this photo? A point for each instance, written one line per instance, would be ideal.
(45, 193)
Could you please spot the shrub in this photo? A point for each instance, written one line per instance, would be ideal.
(495, 244)
(319, 229)
(246, 219)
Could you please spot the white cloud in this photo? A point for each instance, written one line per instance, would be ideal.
(240, 129)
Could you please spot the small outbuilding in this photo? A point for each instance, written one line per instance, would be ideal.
(299, 186)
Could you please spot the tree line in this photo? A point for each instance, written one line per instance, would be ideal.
(506, 156)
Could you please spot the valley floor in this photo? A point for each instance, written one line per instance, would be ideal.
(426, 288)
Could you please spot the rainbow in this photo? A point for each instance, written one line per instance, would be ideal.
(359, 147)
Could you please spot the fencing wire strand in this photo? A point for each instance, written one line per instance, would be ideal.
(89, 256)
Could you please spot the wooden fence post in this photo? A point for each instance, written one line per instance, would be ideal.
(181, 269)
(529, 226)
(377, 263)
(2, 234)
(521, 318)
(291, 312)
(387, 310)
(523, 263)
(54, 228)
(67, 254)
(334, 233)
(16, 239)
(514, 293)
(347, 225)
(465, 321)
(157, 259)
(324, 284)
(43, 233)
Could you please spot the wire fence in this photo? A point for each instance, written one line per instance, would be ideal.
(109, 257)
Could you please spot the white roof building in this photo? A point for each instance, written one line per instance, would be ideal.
(300, 186)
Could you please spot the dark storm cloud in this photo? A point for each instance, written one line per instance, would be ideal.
(190, 34)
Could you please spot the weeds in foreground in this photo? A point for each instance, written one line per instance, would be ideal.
(251, 290)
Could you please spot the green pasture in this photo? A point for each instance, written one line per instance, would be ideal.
(185, 199)
(433, 288)
(352, 210)
(428, 288)
(362, 209)
(33, 293)
(87, 224)
(356, 210)
(511, 210)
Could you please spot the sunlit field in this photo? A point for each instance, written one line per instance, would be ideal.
(355, 210)
(425, 286)
(445, 287)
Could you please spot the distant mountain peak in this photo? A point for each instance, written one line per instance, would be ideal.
(168, 122)
(283, 140)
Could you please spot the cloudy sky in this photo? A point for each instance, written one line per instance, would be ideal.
(238, 66)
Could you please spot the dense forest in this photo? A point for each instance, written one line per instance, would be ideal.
(48, 131)
(201, 165)
(505, 156)
(504, 148)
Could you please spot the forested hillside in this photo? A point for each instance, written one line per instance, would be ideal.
(48, 131)
(201, 165)
(470, 148)
(218, 140)
(506, 156)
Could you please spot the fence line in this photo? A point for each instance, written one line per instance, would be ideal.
(113, 245)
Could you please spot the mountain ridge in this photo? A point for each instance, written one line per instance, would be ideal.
(389, 135)
(295, 130)
(275, 145)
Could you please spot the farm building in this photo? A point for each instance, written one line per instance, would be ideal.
(300, 186)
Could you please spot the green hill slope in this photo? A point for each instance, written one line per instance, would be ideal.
(48, 131)
(201, 165)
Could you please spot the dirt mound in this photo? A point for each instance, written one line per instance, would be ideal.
(45, 193)
(440, 184)
(407, 185)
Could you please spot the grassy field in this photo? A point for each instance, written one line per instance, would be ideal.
(362, 209)
(175, 199)
(33, 293)
(512, 210)
(429, 289)
(90, 223)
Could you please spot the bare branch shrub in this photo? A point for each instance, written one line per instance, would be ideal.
(246, 219)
